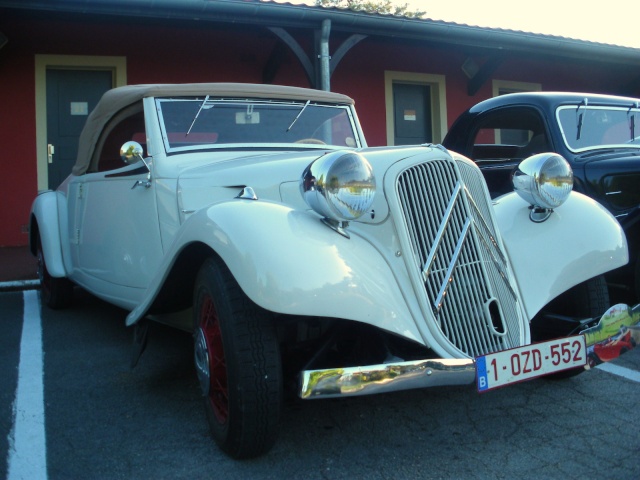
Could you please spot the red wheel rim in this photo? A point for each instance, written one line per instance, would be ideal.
(218, 394)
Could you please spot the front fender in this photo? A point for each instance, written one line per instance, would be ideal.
(44, 213)
(287, 261)
(579, 241)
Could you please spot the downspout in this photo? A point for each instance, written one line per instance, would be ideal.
(325, 59)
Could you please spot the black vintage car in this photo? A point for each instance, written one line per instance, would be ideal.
(599, 135)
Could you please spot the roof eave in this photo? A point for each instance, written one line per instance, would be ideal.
(269, 13)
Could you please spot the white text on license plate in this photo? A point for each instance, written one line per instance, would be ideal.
(523, 363)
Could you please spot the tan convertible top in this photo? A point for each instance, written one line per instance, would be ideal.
(115, 100)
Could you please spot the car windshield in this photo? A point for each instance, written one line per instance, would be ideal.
(204, 123)
(589, 127)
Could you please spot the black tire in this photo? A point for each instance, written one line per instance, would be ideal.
(589, 299)
(238, 364)
(55, 293)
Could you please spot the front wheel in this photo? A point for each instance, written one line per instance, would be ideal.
(589, 299)
(55, 293)
(238, 364)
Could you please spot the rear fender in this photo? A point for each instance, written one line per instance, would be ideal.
(45, 217)
(579, 241)
(287, 261)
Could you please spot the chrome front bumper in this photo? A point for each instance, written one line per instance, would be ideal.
(617, 331)
(387, 377)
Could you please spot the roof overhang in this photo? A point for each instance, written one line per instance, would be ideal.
(269, 13)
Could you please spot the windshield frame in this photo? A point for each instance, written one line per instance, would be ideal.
(297, 107)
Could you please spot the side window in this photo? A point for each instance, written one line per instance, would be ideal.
(129, 125)
(520, 133)
(509, 134)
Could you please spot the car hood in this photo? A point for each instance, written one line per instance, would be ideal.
(223, 180)
(273, 176)
(259, 169)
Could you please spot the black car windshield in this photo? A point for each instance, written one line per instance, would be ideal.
(590, 127)
(204, 123)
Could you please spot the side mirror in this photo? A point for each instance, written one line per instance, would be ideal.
(131, 152)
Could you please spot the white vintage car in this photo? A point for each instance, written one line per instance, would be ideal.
(256, 217)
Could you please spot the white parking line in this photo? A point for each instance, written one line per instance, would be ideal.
(620, 371)
(27, 458)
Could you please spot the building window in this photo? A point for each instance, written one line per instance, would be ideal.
(503, 87)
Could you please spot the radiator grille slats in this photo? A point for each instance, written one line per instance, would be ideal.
(461, 265)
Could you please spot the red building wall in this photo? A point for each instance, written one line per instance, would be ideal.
(158, 52)
(18, 182)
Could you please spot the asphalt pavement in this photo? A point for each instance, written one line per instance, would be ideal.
(104, 420)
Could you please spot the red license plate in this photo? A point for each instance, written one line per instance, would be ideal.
(524, 363)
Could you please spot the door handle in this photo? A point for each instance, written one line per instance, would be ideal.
(50, 151)
(140, 183)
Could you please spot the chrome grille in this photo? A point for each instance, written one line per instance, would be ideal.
(463, 271)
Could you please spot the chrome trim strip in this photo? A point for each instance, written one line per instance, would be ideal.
(440, 234)
(483, 222)
(482, 234)
(452, 265)
(388, 377)
(500, 265)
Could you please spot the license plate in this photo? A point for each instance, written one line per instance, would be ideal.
(524, 363)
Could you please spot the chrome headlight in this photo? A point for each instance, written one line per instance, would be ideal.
(340, 186)
(544, 180)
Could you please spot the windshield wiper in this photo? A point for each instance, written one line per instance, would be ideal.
(197, 113)
(584, 102)
(299, 113)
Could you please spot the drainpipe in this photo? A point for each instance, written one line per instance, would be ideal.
(325, 59)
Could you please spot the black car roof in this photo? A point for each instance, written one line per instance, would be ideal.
(549, 100)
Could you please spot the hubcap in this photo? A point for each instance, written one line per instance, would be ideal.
(202, 361)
